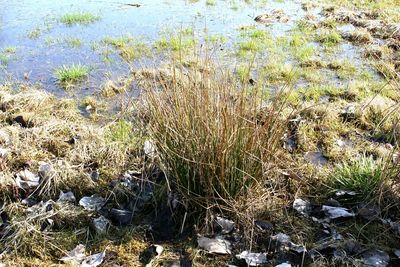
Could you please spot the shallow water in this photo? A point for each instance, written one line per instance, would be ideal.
(37, 59)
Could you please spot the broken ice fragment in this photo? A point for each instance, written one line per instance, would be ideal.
(302, 206)
(93, 203)
(343, 143)
(336, 212)
(264, 225)
(375, 258)
(27, 180)
(148, 256)
(214, 245)
(225, 224)
(159, 250)
(297, 248)
(395, 227)
(45, 169)
(29, 202)
(101, 224)
(316, 158)
(284, 241)
(66, 197)
(351, 247)
(281, 238)
(253, 259)
(397, 253)
(94, 260)
(95, 176)
(345, 193)
(349, 113)
(369, 212)
(3, 152)
(75, 256)
(121, 217)
(149, 148)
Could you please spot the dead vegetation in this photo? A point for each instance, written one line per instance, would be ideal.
(48, 147)
(38, 128)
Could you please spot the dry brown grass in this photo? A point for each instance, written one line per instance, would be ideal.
(49, 229)
(57, 134)
(218, 140)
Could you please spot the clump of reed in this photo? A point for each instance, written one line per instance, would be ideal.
(216, 136)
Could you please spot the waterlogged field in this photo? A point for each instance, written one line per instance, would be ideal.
(111, 37)
(200, 133)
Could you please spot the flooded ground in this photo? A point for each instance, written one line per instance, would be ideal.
(273, 142)
(41, 42)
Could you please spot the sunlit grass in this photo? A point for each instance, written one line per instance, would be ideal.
(79, 18)
(211, 2)
(363, 176)
(386, 9)
(10, 50)
(328, 37)
(71, 74)
(209, 136)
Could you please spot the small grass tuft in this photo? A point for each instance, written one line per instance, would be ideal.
(127, 47)
(83, 18)
(34, 34)
(10, 50)
(364, 176)
(328, 37)
(73, 42)
(71, 74)
(211, 2)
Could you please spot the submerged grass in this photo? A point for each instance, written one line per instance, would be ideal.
(128, 47)
(73, 42)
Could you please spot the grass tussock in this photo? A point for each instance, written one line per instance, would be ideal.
(380, 115)
(215, 138)
(364, 175)
(68, 75)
